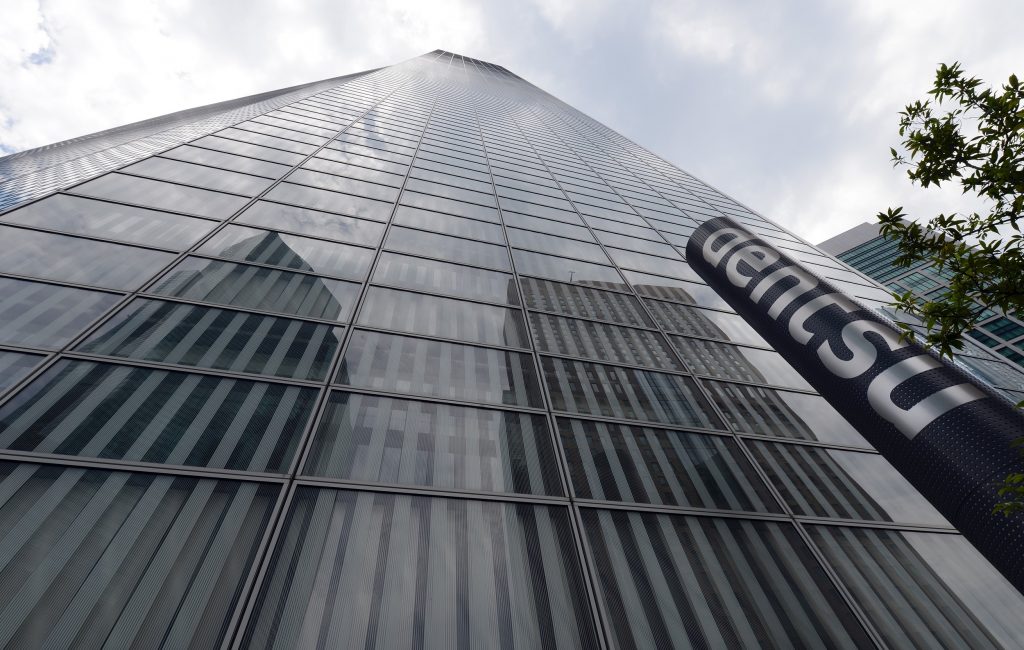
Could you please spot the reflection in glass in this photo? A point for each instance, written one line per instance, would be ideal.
(206, 337)
(83, 216)
(752, 409)
(72, 259)
(583, 302)
(399, 571)
(738, 362)
(547, 243)
(342, 184)
(843, 484)
(581, 338)
(39, 315)
(289, 251)
(690, 293)
(313, 222)
(388, 440)
(450, 206)
(676, 468)
(210, 178)
(443, 317)
(674, 581)
(161, 195)
(924, 590)
(702, 322)
(257, 287)
(548, 226)
(564, 269)
(449, 279)
(113, 559)
(246, 164)
(613, 391)
(449, 225)
(438, 369)
(318, 199)
(418, 242)
(100, 410)
(15, 366)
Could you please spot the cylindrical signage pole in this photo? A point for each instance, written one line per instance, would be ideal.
(946, 433)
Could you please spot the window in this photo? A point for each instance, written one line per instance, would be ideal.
(443, 317)
(399, 552)
(738, 362)
(206, 337)
(587, 339)
(256, 287)
(38, 315)
(675, 468)
(452, 249)
(583, 302)
(161, 195)
(441, 277)
(83, 216)
(439, 369)
(101, 410)
(72, 259)
(313, 223)
(125, 560)
(390, 440)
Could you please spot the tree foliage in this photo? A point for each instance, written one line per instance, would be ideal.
(971, 135)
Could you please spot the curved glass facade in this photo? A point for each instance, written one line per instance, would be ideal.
(416, 360)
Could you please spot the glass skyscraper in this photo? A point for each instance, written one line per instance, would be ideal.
(413, 359)
(865, 249)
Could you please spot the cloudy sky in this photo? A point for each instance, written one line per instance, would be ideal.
(789, 107)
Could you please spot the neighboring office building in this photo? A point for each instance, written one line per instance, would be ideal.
(863, 248)
(412, 358)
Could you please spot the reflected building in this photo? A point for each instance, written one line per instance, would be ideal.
(413, 358)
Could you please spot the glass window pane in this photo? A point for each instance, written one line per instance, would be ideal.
(449, 225)
(843, 484)
(418, 242)
(38, 315)
(535, 210)
(450, 206)
(547, 243)
(206, 337)
(161, 195)
(245, 149)
(257, 287)
(636, 244)
(388, 440)
(227, 161)
(343, 184)
(82, 216)
(752, 409)
(101, 410)
(924, 590)
(428, 573)
(443, 317)
(564, 269)
(265, 139)
(313, 222)
(84, 261)
(586, 303)
(221, 180)
(612, 391)
(445, 278)
(651, 264)
(690, 293)
(438, 369)
(15, 366)
(289, 251)
(348, 163)
(347, 204)
(599, 341)
(432, 177)
(546, 226)
(454, 193)
(673, 581)
(704, 323)
(114, 559)
(738, 362)
(642, 465)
